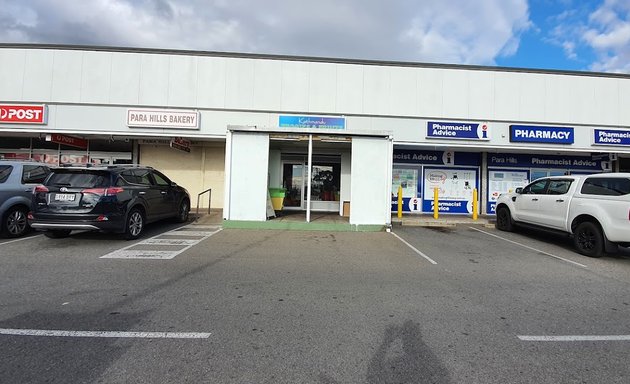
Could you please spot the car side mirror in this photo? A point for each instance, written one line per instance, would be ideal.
(519, 190)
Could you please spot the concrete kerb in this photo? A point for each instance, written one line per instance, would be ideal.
(215, 217)
(443, 221)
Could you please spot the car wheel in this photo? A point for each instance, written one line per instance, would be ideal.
(588, 239)
(504, 220)
(134, 225)
(183, 211)
(14, 223)
(57, 233)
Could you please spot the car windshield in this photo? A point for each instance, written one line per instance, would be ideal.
(79, 179)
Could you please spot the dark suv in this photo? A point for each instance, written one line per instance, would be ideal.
(17, 180)
(117, 198)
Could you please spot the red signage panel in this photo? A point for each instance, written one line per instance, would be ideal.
(71, 141)
(22, 114)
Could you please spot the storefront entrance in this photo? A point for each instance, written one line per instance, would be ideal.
(325, 183)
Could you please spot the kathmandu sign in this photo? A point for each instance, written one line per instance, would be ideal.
(22, 114)
(163, 118)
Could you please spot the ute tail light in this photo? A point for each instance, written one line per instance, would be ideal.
(112, 191)
(40, 189)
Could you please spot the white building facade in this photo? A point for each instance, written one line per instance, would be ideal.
(336, 135)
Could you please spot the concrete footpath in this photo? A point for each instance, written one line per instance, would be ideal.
(333, 222)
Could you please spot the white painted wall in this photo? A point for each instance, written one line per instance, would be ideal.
(371, 181)
(246, 181)
(89, 91)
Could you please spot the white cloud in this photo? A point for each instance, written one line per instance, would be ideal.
(458, 31)
(608, 33)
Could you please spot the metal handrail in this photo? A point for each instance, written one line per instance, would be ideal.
(209, 199)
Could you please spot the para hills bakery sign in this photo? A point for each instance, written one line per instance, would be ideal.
(163, 118)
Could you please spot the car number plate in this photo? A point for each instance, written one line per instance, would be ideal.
(64, 197)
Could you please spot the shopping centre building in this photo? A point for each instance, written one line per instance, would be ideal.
(336, 135)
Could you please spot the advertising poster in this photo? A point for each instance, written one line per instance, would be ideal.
(504, 181)
(455, 189)
(408, 179)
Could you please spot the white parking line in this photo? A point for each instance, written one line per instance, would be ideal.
(530, 248)
(170, 239)
(576, 338)
(117, 334)
(414, 249)
(21, 239)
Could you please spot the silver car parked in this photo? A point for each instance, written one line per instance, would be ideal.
(17, 180)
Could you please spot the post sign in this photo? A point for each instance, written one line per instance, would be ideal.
(163, 118)
(312, 122)
(611, 137)
(540, 134)
(22, 114)
(451, 130)
(70, 141)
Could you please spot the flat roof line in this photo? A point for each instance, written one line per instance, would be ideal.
(332, 60)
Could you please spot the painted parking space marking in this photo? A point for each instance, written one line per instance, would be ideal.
(184, 237)
(106, 334)
(576, 338)
(530, 248)
(191, 233)
(170, 241)
(21, 239)
(414, 249)
(141, 254)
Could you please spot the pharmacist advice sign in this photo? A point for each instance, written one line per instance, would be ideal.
(455, 130)
(163, 118)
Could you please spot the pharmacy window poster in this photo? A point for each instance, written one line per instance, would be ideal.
(408, 180)
(455, 189)
(504, 181)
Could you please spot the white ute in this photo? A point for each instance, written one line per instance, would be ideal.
(593, 209)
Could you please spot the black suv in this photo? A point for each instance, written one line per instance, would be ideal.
(17, 180)
(117, 198)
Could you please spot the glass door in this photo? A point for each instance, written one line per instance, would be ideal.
(293, 181)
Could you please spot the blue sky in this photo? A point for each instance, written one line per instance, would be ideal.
(590, 35)
(541, 47)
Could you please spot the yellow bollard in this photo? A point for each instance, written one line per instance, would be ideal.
(435, 203)
(400, 201)
(475, 204)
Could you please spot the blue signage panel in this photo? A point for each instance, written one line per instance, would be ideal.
(519, 160)
(451, 130)
(539, 134)
(412, 156)
(312, 122)
(611, 137)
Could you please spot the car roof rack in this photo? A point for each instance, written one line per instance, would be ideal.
(127, 166)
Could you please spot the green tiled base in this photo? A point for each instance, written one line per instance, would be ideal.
(301, 226)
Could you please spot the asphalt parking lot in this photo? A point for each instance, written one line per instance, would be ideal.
(466, 304)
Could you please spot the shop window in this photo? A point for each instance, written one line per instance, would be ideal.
(325, 183)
